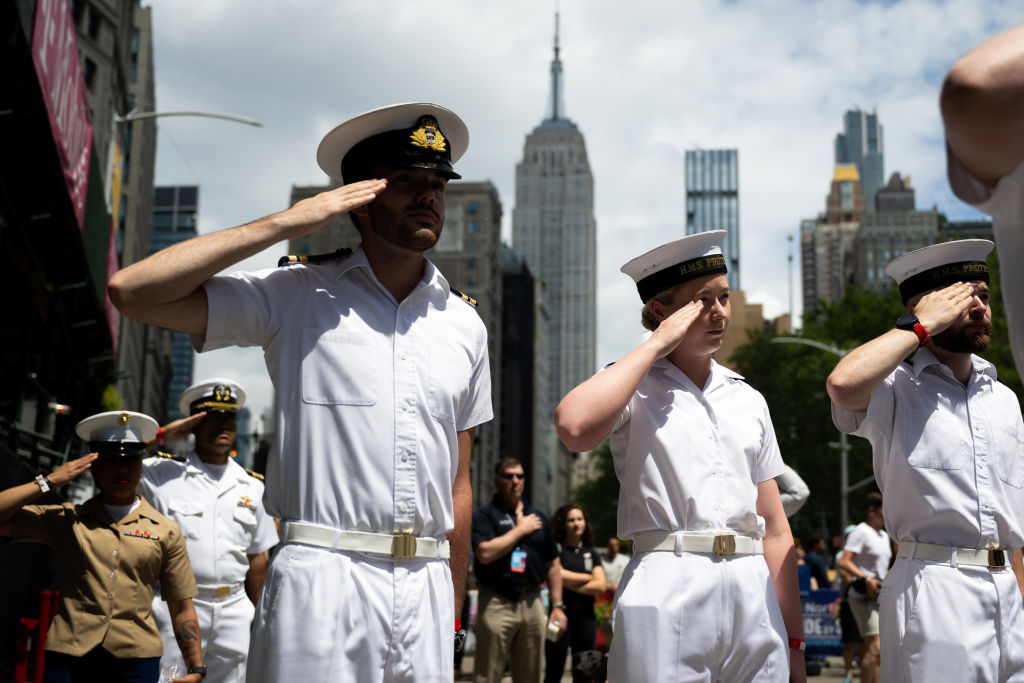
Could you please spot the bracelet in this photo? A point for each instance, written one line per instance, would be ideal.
(160, 436)
(458, 624)
(797, 644)
(558, 605)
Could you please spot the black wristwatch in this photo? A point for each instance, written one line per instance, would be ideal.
(460, 639)
(912, 324)
(201, 670)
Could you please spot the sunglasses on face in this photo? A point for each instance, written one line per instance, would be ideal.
(508, 476)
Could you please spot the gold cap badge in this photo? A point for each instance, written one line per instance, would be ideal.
(428, 136)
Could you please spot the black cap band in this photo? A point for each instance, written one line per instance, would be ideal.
(656, 283)
(421, 147)
(940, 276)
(119, 449)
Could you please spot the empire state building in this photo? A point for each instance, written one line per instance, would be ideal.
(553, 229)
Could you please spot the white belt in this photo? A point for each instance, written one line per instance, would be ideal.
(208, 591)
(993, 558)
(689, 542)
(393, 545)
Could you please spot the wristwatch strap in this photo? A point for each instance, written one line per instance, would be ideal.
(922, 334)
(44, 484)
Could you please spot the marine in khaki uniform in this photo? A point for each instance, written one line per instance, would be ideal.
(112, 550)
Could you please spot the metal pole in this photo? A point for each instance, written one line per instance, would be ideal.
(135, 116)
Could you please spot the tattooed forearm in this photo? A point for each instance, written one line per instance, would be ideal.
(189, 642)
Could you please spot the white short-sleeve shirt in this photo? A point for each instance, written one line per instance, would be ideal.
(1006, 206)
(689, 458)
(872, 548)
(223, 519)
(948, 459)
(370, 392)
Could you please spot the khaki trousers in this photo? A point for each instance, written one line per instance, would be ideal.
(510, 631)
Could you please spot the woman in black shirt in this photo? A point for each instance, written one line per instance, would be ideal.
(582, 578)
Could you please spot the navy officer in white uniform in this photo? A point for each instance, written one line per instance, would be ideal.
(381, 374)
(219, 506)
(711, 592)
(948, 451)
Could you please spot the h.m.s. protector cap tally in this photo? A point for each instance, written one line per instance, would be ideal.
(676, 262)
(411, 135)
(939, 265)
(216, 393)
(118, 433)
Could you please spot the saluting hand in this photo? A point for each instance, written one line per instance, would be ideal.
(673, 328)
(939, 309)
(180, 428)
(309, 215)
(70, 470)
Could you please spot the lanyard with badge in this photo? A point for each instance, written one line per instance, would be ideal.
(517, 563)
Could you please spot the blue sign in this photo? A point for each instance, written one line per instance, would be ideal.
(821, 623)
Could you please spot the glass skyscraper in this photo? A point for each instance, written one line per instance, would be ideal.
(860, 144)
(175, 215)
(713, 200)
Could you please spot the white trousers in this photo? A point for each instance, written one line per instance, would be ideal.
(224, 627)
(326, 616)
(938, 623)
(695, 617)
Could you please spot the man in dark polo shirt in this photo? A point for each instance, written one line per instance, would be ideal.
(515, 552)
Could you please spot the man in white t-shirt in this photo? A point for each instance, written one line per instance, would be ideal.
(865, 562)
(614, 564)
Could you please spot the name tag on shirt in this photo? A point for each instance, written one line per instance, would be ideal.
(518, 563)
(588, 562)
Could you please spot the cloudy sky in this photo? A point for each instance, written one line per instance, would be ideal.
(644, 81)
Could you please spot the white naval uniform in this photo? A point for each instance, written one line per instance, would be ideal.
(1006, 206)
(949, 461)
(691, 460)
(223, 522)
(371, 393)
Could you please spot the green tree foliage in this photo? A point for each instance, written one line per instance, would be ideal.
(599, 497)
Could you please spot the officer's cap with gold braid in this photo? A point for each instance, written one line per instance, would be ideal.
(117, 433)
(676, 262)
(413, 135)
(211, 395)
(939, 265)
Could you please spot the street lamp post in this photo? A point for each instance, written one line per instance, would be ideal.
(843, 444)
(137, 115)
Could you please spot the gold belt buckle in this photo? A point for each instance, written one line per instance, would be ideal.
(996, 558)
(725, 544)
(403, 545)
(222, 591)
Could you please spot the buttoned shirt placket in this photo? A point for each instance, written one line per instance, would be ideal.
(982, 442)
(405, 437)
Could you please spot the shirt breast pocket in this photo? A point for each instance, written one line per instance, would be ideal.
(449, 379)
(188, 514)
(1009, 449)
(339, 368)
(934, 440)
(245, 517)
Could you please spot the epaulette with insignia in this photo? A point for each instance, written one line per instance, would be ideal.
(254, 474)
(171, 456)
(343, 252)
(465, 297)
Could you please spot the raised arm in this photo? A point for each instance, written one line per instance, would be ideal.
(983, 107)
(165, 288)
(587, 413)
(860, 372)
(17, 497)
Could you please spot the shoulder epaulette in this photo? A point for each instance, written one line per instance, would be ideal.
(465, 297)
(254, 474)
(343, 252)
(170, 456)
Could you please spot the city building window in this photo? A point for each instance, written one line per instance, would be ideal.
(76, 11)
(472, 228)
(470, 245)
(95, 21)
(472, 208)
(471, 264)
(89, 71)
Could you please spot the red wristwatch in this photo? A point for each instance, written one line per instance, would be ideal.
(797, 644)
(912, 324)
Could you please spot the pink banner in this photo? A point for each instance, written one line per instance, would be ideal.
(55, 54)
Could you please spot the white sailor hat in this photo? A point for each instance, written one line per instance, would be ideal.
(671, 264)
(412, 135)
(118, 432)
(212, 394)
(939, 265)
